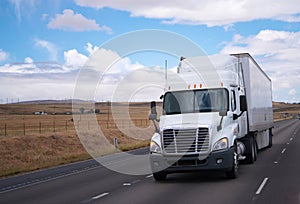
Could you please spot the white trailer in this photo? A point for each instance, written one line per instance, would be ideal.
(213, 119)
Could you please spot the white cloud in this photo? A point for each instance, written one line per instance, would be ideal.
(3, 55)
(22, 7)
(74, 59)
(278, 54)
(210, 13)
(71, 21)
(28, 60)
(90, 48)
(50, 47)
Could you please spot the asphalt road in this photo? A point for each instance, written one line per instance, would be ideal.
(273, 178)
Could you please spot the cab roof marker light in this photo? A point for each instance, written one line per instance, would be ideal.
(189, 86)
(200, 86)
(195, 86)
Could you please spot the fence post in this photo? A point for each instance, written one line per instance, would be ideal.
(66, 126)
(54, 125)
(24, 131)
(5, 133)
(40, 128)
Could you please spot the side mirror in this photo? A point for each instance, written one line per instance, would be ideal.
(243, 103)
(153, 113)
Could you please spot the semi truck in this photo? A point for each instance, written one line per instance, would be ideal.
(215, 125)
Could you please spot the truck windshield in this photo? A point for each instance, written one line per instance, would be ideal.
(195, 101)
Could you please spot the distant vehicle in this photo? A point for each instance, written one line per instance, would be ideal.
(213, 127)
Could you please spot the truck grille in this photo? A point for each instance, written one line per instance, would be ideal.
(186, 140)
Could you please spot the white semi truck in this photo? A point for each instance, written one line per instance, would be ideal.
(213, 126)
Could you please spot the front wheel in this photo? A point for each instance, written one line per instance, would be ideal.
(233, 172)
(252, 155)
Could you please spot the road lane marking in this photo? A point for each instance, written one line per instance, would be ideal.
(149, 176)
(126, 184)
(135, 181)
(288, 143)
(275, 162)
(261, 186)
(283, 151)
(100, 196)
(291, 139)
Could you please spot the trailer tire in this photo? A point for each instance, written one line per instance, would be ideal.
(252, 155)
(159, 176)
(233, 172)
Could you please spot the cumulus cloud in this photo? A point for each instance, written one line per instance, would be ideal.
(278, 54)
(48, 80)
(90, 48)
(207, 12)
(74, 59)
(3, 55)
(71, 21)
(50, 47)
(28, 60)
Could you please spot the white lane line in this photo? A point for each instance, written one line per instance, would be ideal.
(149, 176)
(135, 181)
(261, 186)
(283, 151)
(126, 184)
(99, 196)
(288, 143)
(291, 139)
(275, 162)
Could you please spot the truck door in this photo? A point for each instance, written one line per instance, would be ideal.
(236, 109)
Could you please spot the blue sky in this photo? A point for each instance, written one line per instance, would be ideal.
(44, 42)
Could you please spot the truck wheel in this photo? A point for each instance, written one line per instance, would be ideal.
(160, 176)
(233, 172)
(252, 155)
(270, 139)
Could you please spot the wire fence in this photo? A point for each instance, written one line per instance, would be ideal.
(64, 126)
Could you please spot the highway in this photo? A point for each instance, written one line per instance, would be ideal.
(273, 178)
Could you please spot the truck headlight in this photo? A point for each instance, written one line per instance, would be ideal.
(221, 144)
(154, 147)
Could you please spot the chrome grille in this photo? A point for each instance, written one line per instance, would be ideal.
(186, 140)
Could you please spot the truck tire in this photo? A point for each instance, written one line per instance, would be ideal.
(159, 176)
(270, 139)
(233, 172)
(252, 154)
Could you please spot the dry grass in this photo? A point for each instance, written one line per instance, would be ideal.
(51, 140)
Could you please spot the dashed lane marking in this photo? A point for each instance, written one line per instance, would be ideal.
(100, 196)
(261, 186)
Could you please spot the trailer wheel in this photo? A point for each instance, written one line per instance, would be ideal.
(252, 155)
(233, 172)
(160, 176)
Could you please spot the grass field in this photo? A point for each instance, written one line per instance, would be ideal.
(29, 142)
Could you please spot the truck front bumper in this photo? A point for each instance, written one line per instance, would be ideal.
(220, 160)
